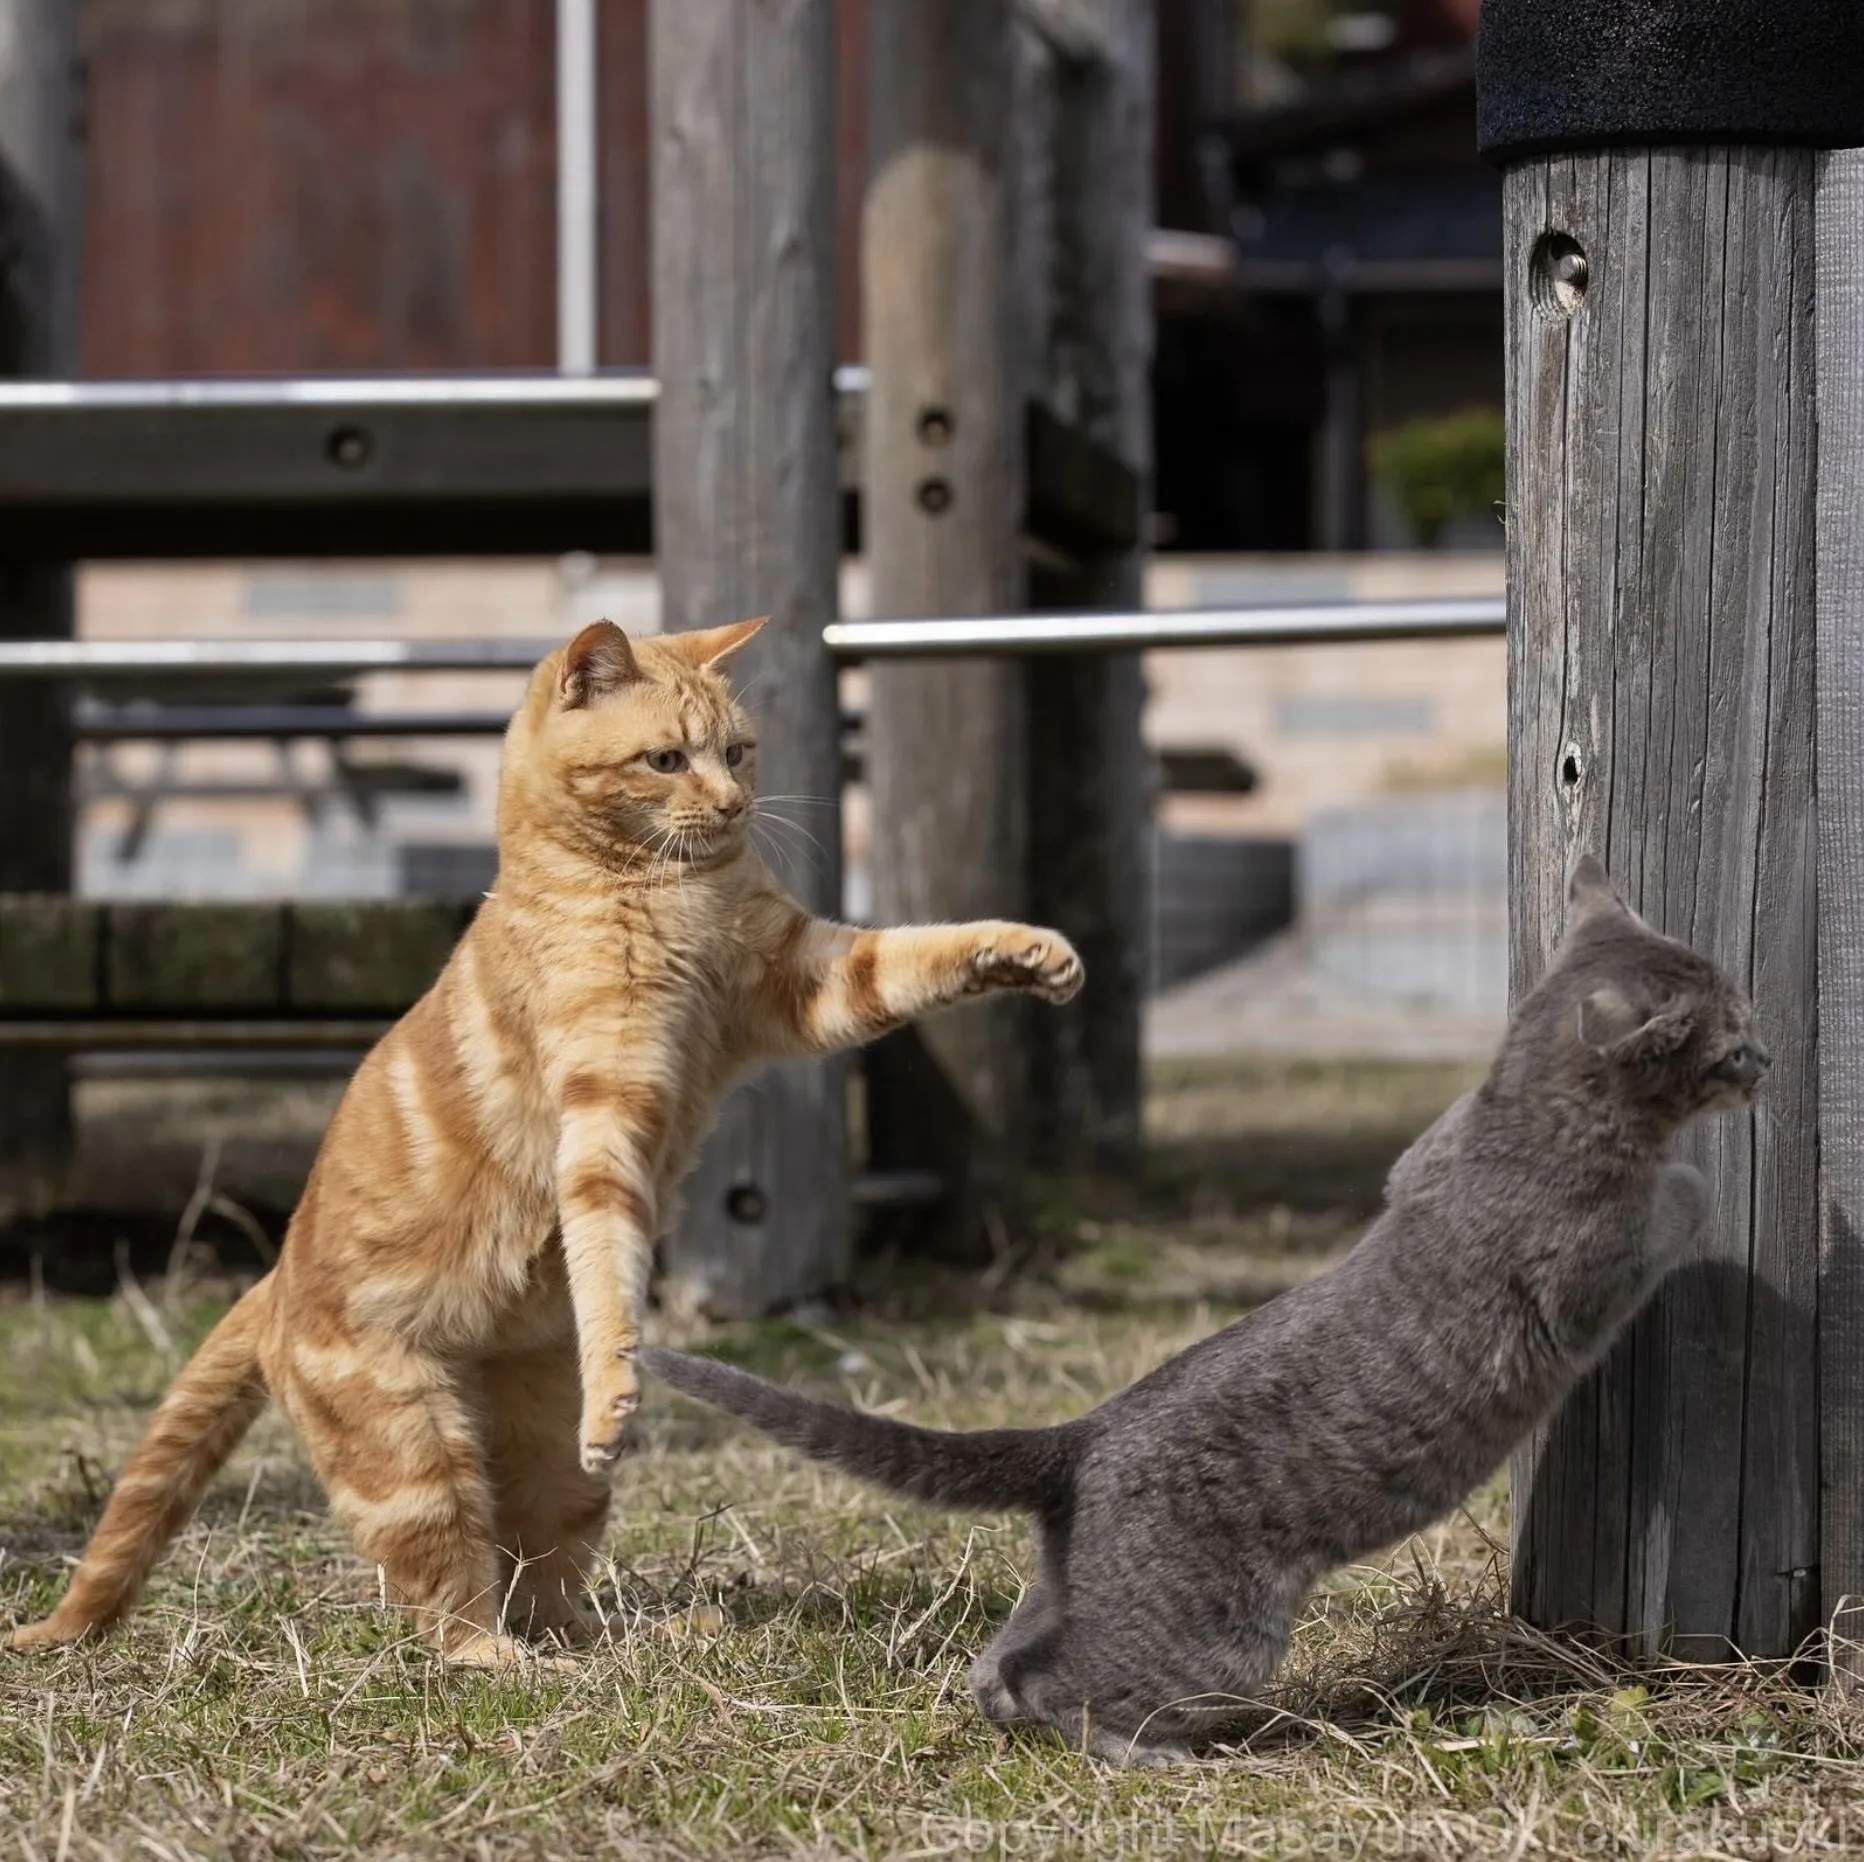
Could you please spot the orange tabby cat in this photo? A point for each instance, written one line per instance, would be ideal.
(452, 1322)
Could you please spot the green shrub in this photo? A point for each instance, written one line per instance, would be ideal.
(1440, 467)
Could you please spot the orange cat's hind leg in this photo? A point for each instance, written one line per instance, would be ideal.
(549, 1514)
(396, 1441)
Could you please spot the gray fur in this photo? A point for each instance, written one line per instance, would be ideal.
(1183, 1520)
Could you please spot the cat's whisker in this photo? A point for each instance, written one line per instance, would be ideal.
(774, 851)
(795, 827)
(769, 818)
(814, 857)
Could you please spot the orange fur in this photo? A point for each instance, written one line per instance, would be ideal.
(453, 1320)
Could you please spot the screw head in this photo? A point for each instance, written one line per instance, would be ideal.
(746, 1203)
(349, 448)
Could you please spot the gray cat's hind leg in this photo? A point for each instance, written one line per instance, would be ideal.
(1036, 1681)
(1034, 1619)
(1137, 1750)
(991, 1693)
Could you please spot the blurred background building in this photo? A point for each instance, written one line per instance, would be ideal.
(352, 185)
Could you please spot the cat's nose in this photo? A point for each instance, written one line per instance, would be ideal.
(728, 807)
(1748, 1065)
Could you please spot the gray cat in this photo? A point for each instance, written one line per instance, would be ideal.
(1182, 1521)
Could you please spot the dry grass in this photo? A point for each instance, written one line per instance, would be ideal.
(785, 1674)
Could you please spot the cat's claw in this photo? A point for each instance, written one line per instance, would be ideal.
(1043, 962)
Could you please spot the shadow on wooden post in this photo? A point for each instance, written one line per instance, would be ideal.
(1662, 653)
(38, 337)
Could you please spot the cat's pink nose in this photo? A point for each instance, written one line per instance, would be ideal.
(728, 807)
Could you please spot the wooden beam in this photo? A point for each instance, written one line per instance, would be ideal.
(38, 336)
(1089, 779)
(944, 471)
(418, 465)
(410, 466)
(1661, 700)
(92, 960)
(1839, 237)
(747, 521)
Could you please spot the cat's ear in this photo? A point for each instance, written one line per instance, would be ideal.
(1610, 1022)
(599, 660)
(711, 647)
(1608, 1016)
(1590, 893)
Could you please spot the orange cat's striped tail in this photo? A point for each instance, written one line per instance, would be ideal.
(199, 1423)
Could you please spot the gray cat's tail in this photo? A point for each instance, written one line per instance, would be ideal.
(986, 1470)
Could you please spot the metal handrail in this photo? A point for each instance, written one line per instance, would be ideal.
(1330, 623)
(1333, 623)
(608, 388)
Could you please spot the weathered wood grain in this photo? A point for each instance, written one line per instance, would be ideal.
(1839, 237)
(747, 521)
(945, 472)
(1088, 192)
(1661, 715)
(38, 336)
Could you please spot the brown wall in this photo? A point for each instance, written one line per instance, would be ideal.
(363, 184)
(318, 184)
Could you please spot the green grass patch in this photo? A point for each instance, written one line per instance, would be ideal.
(784, 1675)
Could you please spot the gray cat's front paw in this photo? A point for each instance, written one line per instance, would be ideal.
(1679, 1210)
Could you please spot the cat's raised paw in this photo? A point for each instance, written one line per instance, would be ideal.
(1024, 957)
(611, 1395)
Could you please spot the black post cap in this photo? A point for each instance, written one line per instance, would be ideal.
(1585, 74)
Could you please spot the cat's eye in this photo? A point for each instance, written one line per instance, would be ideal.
(734, 755)
(666, 762)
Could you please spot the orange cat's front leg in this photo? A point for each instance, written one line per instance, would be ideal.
(605, 1204)
(833, 986)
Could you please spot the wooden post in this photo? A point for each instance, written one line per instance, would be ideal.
(942, 498)
(1660, 314)
(1839, 238)
(1090, 347)
(38, 337)
(747, 521)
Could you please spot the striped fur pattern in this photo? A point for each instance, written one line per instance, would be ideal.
(453, 1321)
